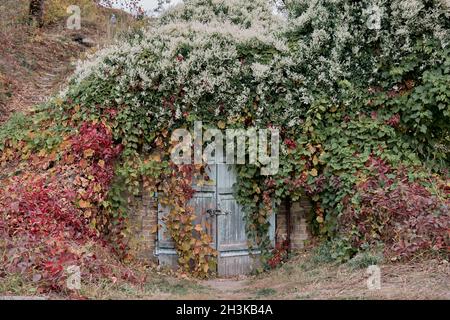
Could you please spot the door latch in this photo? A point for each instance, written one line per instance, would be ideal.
(217, 212)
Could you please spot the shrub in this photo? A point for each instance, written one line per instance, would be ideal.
(401, 213)
(51, 215)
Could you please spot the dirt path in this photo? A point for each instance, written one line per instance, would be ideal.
(46, 84)
(228, 289)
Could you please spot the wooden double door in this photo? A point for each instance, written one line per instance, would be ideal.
(222, 217)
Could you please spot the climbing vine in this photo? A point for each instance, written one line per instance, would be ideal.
(193, 244)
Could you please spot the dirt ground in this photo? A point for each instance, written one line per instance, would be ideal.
(300, 279)
(425, 280)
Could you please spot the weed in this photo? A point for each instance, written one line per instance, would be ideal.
(364, 260)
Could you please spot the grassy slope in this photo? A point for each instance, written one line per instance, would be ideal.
(34, 63)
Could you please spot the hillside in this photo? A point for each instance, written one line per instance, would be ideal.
(35, 63)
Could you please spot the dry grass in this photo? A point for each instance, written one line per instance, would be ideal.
(301, 278)
(35, 63)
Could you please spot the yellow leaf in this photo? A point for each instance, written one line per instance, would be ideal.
(319, 219)
(314, 172)
(186, 246)
(198, 228)
(261, 220)
(155, 157)
(101, 163)
(311, 149)
(221, 125)
(315, 160)
(88, 153)
(154, 229)
(97, 187)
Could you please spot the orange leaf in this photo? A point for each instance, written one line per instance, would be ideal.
(70, 159)
(84, 204)
(154, 229)
(83, 164)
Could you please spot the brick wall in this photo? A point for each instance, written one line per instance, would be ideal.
(299, 225)
(143, 220)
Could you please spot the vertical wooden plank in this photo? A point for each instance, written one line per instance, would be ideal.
(234, 256)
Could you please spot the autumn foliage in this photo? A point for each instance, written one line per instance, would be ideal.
(52, 218)
(402, 214)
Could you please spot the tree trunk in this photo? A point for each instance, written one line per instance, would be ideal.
(37, 12)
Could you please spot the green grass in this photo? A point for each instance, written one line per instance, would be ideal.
(14, 285)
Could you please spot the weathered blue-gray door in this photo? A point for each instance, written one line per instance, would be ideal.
(220, 214)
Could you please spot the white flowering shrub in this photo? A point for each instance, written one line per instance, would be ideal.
(198, 57)
(366, 42)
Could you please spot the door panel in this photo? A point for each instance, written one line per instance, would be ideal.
(231, 231)
(204, 199)
(201, 203)
(164, 241)
(234, 256)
